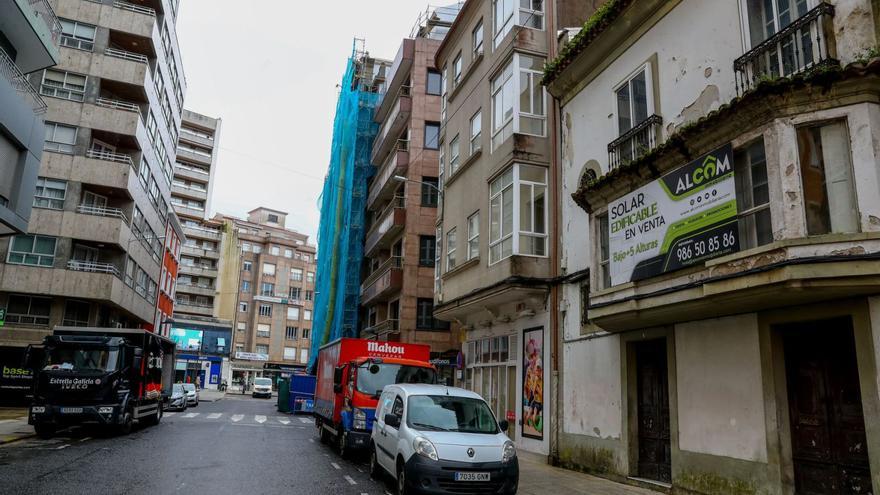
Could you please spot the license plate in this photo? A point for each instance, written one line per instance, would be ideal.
(71, 410)
(471, 476)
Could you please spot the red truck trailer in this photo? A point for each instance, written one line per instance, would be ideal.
(351, 374)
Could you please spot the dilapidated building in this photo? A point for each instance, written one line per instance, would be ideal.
(720, 181)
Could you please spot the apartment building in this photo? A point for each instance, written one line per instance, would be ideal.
(93, 251)
(273, 321)
(204, 338)
(720, 183)
(29, 35)
(397, 296)
(493, 264)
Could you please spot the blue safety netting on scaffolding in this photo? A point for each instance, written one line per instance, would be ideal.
(342, 203)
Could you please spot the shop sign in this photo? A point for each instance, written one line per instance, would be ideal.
(251, 356)
(2, 316)
(686, 217)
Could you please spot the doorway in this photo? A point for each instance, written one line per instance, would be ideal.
(652, 376)
(828, 441)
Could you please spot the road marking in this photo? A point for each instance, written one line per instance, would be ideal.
(260, 419)
(214, 415)
(311, 440)
(190, 415)
(168, 413)
(81, 440)
(237, 417)
(306, 420)
(62, 446)
(350, 480)
(335, 465)
(283, 421)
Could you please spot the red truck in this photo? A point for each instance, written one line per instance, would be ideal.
(351, 374)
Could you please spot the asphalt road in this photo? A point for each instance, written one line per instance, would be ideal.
(237, 445)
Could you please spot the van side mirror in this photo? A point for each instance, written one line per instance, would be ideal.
(138, 358)
(504, 425)
(392, 420)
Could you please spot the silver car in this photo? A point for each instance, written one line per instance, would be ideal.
(192, 394)
(177, 401)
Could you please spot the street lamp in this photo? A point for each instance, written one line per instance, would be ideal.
(400, 178)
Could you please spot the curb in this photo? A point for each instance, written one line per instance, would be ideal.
(16, 439)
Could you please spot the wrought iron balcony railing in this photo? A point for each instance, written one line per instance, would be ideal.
(635, 142)
(798, 47)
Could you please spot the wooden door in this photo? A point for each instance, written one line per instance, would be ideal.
(653, 411)
(829, 446)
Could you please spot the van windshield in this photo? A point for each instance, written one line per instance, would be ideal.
(263, 381)
(82, 359)
(450, 413)
(372, 378)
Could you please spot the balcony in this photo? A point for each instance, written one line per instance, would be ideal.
(32, 27)
(93, 267)
(202, 233)
(183, 171)
(110, 229)
(398, 74)
(184, 306)
(202, 271)
(384, 185)
(126, 55)
(635, 142)
(199, 252)
(189, 192)
(799, 47)
(131, 7)
(110, 156)
(390, 223)
(197, 139)
(199, 290)
(19, 82)
(394, 125)
(118, 105)
(380, 329)
(192, 155)
(385, 281)
(187, 211)
(102, 212)
(112, 121)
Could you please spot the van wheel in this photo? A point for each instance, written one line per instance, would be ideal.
(401, 480)
(375, 468)
(44, 431)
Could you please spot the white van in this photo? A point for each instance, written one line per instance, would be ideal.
(435, 439)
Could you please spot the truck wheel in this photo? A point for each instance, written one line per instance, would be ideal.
(325, 435)
(340, 444)
(125, 427)
(156, 418)
(44, 431)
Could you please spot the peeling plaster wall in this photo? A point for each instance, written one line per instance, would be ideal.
(592, 395)
(720, 398)
(853, 28)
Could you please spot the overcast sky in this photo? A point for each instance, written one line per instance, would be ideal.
(269, 69)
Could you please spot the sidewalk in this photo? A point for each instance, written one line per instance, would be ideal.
(13, 425)
(208, 395)
(537, 478)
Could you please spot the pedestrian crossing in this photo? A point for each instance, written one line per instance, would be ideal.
(259, 419)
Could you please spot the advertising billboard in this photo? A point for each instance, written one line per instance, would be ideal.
(685, 217)
(186, 339)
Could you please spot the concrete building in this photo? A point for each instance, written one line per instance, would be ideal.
(720, 183)
(93, 252)
(29, 34)
(494, 264)
(397, 295)
(208, 337)
(273, 319)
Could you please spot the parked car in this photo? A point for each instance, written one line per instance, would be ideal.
(192, 394)
(177, 401)
(436, 439)
(262, 388)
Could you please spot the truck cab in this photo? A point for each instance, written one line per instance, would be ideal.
(99, 378)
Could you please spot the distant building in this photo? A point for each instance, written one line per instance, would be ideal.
(276, 294)
(29, 36)
(93, 252)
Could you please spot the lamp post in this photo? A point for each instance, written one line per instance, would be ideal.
(400, 178)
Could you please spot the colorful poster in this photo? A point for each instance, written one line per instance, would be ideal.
(685, 217)
(533, 383)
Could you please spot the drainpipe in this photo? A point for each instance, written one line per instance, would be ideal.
(553, 116)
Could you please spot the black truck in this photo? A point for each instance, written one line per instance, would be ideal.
(110, 377)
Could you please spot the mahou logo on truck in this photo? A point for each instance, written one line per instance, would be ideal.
(385, 348)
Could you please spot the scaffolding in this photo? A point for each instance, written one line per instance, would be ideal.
(343, 200)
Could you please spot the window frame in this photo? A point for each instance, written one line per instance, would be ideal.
(454, 155)
(745, 185)
(473, 232)
(425, 135)
(59, 91)
(423, 261)
(457, 70)
(432, 192)
(264, 310)
(476, 140)
(510, 74)
(477, 37)
(61, 147)
(603, 249)
(79, 42)
(451, 248)
(647, 69)
(49, 201)
(517, 205)
(30, 317)
(439, 82)
(24, 255)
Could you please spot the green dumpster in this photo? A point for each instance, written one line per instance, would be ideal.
(284, 394)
